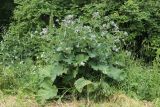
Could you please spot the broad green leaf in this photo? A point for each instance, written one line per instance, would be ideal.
(80, 59)
(45, 72)
(52, 71)
(92, 54)
(58, 70)
(103, 68)
(119, 64)
(158, 51)
(116, 74)
(69, 59)
(57, 57)
(112, 72)
(92, 87)
(75, 72)
(81, 83)
(46, 82)
(47, 91)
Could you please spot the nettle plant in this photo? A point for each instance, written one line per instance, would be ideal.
(87, 59)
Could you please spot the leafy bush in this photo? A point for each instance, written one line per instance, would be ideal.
(81, 54)
(139, 18)
(84, 55)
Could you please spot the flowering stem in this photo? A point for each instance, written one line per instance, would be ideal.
(51, 22)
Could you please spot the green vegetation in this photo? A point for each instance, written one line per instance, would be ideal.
(58, 49)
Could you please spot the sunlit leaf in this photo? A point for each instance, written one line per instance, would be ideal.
(57, 70)
(81, 83)
(47, 91)
(81, 58)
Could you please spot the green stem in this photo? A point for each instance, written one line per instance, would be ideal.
(51, 22)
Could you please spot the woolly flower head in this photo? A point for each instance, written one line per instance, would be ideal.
(78, 29)
(88, 28)
(113, 23)
(125, 33)
(69, 17)
(104, 33)
(95, 15)
(44, 31)
(68, 20)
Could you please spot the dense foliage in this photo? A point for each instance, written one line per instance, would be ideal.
(80, 51)
(83, 48)
(138, 17)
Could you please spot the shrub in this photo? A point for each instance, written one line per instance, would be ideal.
(82, 53)
(139, 18)
(83, 56)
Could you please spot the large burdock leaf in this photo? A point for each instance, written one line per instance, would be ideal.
(81, 59)
(103, 68)
(57, 70)
(112, 72)
(47, 91)
(52, 71)
(116, 74)
(45, 72)
(81, 83)
(92, 87)
(48, 74)
(158, 51)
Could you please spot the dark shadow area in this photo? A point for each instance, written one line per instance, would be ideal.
(6, 12)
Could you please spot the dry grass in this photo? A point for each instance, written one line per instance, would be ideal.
(11, 101)
(121, 100)
(118, 100)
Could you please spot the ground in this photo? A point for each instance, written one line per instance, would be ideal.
(118, 100)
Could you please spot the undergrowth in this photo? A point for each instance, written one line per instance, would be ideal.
(77, 60)
(55, 56)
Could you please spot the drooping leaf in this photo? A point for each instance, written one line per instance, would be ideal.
(112, 72)
(69, 59)
(158, 51)
(92, 87)
(47, 91)
(116, 74)
(58, 70)
(92, 54)
(103, 68)
(52, 71)
(75, 72)
(45, 72)
(81, 83)
(81, 59)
